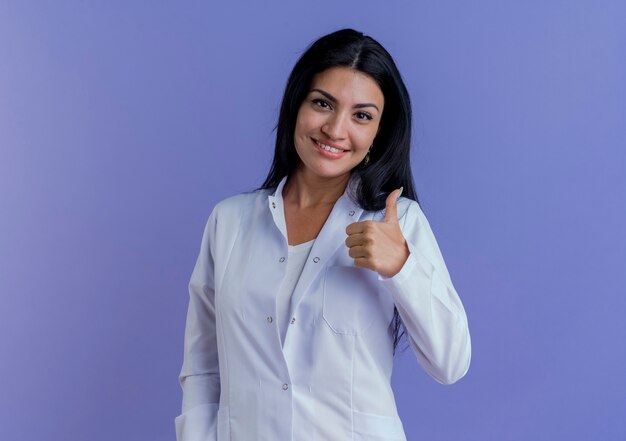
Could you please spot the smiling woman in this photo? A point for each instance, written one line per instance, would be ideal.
(333, 121)
(304, 287)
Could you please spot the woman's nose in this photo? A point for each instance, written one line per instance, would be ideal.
(336, 126)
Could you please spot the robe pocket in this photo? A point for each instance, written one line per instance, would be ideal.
(351, 299)
(372, 427)
(223, 424)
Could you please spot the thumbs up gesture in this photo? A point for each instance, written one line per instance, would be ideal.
(379, 246)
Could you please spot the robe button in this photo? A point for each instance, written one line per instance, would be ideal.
(285, 386)
(293, 320)
(269, 319)
(351, 213)
(281, 260)
(273, 204)
(316, 259)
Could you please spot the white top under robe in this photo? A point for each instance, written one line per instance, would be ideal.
(296, 258)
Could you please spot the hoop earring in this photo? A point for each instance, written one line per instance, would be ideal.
(367, 156)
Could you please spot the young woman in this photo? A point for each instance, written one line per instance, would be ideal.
(303, 287)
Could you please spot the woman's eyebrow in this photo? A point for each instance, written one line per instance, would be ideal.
(334, 100)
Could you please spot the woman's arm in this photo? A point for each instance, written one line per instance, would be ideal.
(199, 376)
(428, 304)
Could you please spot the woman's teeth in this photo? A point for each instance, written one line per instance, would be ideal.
(330, 149)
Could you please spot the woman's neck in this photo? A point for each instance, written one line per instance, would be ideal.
(306, 190)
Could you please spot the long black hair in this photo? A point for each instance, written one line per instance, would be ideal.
(389, 166)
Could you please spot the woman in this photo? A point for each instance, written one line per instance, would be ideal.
(302, 286)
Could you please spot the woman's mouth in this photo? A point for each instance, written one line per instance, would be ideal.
(328, 151)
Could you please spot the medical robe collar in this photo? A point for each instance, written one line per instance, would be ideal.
(346, 204)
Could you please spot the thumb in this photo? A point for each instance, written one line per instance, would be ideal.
(391, 209)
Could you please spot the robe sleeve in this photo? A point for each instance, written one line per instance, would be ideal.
(428, 304)
(199, 377)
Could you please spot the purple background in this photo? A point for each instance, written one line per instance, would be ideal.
(122, 123)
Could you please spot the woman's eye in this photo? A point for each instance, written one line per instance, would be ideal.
(364, 116)
(320, 103)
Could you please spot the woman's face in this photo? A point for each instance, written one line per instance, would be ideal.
(341, 111)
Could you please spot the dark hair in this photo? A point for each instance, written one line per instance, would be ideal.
(389, 167)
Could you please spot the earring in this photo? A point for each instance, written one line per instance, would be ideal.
(367, 156)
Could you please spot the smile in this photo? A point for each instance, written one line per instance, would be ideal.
(329, 151)
(329, 148)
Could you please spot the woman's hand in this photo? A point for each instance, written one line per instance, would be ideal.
(379, 246)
